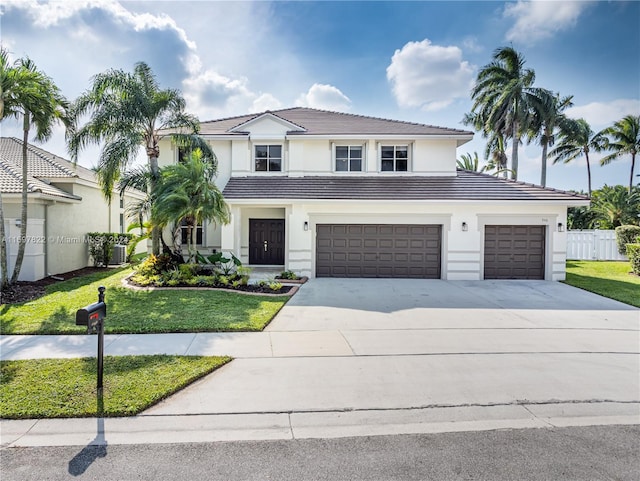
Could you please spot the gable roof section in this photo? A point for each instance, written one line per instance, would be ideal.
(466, 186)
(243, 127)
(324, 122)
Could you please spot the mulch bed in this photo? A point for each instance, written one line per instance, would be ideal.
(28, 291)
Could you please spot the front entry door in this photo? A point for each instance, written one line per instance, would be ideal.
(266, 241)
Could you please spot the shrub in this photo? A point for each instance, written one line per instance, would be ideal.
(626, 234)
(288, 275)
(633, 252)
(153, 265)
(275, 286)
(101, 245)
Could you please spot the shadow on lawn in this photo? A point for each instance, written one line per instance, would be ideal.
(626, 292)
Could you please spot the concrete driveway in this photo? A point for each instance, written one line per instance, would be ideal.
(349, 357)
(355, 350)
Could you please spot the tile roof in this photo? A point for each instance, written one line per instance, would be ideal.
(323, 122)
(41, 165)
(471, 186)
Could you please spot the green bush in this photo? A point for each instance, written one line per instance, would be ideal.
(101, 245)
(288, 275)
(633, 252)
(626, 234)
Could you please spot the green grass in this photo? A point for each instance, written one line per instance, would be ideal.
(135, 312)
(607, 278)
(62, 388)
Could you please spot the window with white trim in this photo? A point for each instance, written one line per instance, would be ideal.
(268, 158)
(394, 158)
(197, 233)
(348, 158)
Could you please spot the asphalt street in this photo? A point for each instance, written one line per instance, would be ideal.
(574, 453)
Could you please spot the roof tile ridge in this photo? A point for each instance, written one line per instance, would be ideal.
(362, 116)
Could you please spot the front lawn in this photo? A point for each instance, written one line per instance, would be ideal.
(62, 388)
(611, 279)
(136, 312)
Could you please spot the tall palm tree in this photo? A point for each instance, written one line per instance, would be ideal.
(495, 147)
(576, 139)
(186, 192)
(29, 94)
(623, 139)
(502, 97)
(128, 111)
(547, 116)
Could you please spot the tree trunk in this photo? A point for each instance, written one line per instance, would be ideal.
(177, 239)
(633, 164)
(543, 173)
(4, 275)
(23, 218)
(155, 231)
(588, 173)
(514, 151)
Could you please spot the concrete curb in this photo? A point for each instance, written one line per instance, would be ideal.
(150, 429)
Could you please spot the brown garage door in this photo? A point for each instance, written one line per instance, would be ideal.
(514, 251)
(364, 250)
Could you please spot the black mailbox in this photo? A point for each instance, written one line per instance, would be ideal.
(91, 315)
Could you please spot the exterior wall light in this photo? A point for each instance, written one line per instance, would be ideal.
(306, 225)
(560, 227)
(465, 227)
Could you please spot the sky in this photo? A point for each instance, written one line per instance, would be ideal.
(413, 61)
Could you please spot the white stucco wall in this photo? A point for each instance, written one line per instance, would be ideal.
(462, 251)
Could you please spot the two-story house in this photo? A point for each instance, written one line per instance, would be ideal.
(331, 194)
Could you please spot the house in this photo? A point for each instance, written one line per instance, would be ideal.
(64, 204)
(329, 194)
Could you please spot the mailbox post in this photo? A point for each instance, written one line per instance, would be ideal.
(93, 316)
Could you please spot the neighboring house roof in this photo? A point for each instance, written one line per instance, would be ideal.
(467, 185)
(41, 166)
(323, 122)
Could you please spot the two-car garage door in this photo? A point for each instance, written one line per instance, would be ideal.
(378, 250)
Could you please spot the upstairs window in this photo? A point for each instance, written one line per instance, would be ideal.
(268, 158)
(348, 158)
(395, 158)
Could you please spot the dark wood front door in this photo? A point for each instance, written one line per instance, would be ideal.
(266, 241)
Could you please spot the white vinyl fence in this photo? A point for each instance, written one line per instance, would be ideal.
(593, 245)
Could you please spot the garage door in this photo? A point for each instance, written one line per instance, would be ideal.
(385, 250)
(514, 251)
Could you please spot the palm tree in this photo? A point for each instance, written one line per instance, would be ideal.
(575, 139)
(615, 205)
(624, 138)
(502, 97)
(495, 147)
(547, 116)
(470, 162)
(128, 111)
(29, 94)
(186, 192)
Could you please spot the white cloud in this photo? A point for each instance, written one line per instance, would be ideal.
(264, 102)
(323, 96)
(536, 20)
(603, 114)
(429, 76)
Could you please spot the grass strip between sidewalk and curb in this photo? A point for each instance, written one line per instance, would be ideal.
(612, 279)
(138, 312)
(65, 388)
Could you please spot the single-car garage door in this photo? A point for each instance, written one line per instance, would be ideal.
(514, 251)
(382, 250)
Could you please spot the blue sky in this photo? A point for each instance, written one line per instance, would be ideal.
(411, 61)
